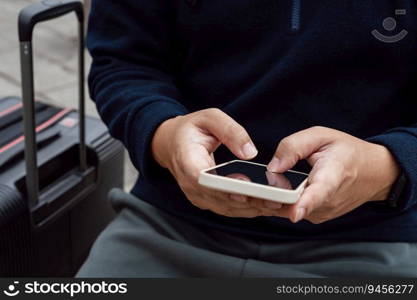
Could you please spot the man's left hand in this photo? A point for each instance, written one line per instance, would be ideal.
(346, 173)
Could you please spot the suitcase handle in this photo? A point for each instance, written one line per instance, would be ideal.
(43, 11)
(28, 18)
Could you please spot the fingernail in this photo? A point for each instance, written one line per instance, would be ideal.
(273, 166)
(273, 205)
(238, 198)
(272, 178)
(299, 215)
(243, 179)
(249, 150)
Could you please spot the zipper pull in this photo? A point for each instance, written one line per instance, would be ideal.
(295, 15)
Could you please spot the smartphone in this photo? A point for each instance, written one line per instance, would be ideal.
(254, 180)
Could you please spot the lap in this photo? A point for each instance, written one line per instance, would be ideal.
(144, 241)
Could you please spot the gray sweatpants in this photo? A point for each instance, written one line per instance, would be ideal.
(144, 241)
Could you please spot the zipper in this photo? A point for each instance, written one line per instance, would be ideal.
(295, 15)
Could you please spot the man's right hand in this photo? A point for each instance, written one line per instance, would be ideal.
(185, 145)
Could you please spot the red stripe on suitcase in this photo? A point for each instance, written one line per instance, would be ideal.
(10, 109)
(38, 129)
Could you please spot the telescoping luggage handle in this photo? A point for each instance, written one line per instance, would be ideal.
(28, 18)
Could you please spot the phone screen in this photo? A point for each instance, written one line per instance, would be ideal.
(259, 174)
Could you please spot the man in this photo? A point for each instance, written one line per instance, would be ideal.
(190, 84)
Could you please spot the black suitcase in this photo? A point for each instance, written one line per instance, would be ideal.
(55, 178)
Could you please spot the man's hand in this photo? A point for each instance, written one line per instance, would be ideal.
(346, 173)
(185, 146)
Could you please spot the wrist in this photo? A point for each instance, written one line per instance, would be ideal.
(160, 142)
(387, 172)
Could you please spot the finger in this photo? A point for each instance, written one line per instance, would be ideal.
(192, 161)
(251, 203)
(229, 133)
(324, 181)
(256, 202)
(271, 178)
(209, 199)
(267, 212)
(239, 176)
(222, 199)
(262, 210)
(278, 180)
(272, 204)
(236, 204)
(219, 203)
(239, 198)
(266, 207)
(284, 211)
(299, 146)
(243, 213)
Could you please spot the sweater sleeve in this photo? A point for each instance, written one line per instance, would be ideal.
(131, 77)
(402, 142)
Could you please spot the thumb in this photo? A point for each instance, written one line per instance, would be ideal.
(324, 181)
(229, 133)
(298, 146)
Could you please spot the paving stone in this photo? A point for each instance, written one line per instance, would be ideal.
(8, 88)
(56, 41)
(8, 38)
(68, 96)
(55, 64)
(47, 74)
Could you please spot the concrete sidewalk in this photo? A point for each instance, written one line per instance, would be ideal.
(55, 63)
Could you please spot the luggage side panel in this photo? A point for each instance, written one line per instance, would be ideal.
(17, 251)
(86, 220)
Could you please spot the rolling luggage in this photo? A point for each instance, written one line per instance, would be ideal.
(56, 169)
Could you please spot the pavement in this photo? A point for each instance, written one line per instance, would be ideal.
(55, 63)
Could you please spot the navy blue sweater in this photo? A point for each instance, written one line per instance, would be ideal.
(276, 67)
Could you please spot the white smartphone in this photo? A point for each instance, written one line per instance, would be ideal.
(254, 180)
